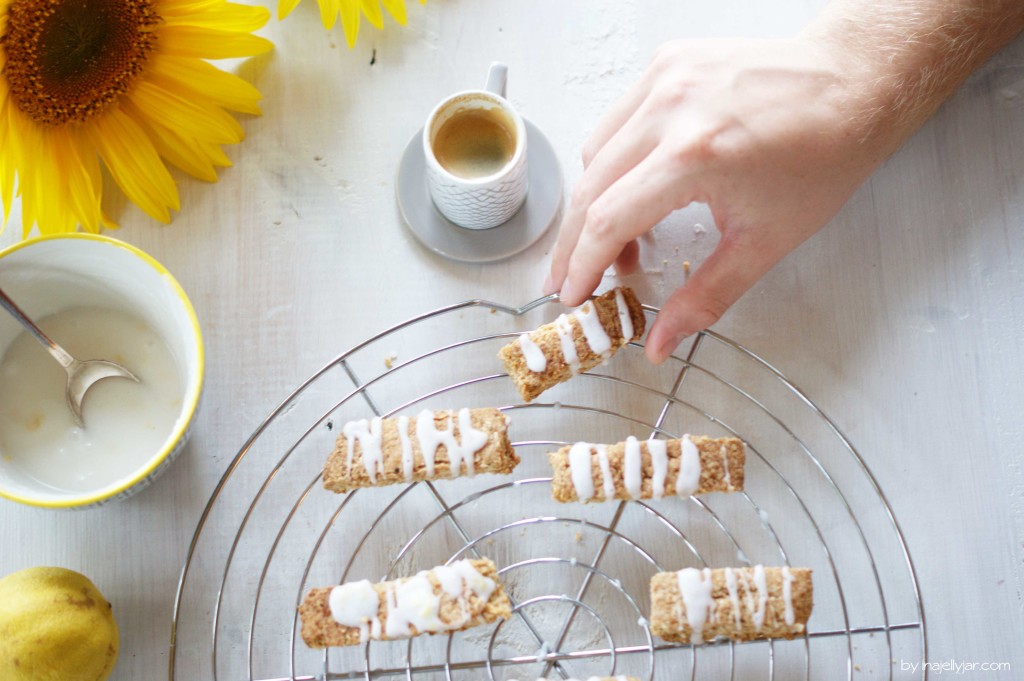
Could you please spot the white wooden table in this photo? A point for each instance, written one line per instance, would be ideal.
(903, 319)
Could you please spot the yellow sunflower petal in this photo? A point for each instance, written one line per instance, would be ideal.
(329, 12)
(227, 17)
(285, 7)
(396, 8)
(197, 79)
(134, 163)
(207, 43)
(84, 200)
(371, 8)
(183, 153)
(349, 20)
(188, 118)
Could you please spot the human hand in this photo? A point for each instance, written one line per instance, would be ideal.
(774, 135)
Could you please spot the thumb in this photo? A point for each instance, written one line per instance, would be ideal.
(730, 271)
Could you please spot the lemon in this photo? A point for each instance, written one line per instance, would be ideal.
(55, 625)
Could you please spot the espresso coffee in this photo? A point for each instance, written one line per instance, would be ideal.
(475, 143)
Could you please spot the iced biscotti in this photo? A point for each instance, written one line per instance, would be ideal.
(447, 598)
(744, 604)
(573, 343)
(430, 446)
(647, 469)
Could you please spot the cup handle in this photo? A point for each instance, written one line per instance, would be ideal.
(497, 78)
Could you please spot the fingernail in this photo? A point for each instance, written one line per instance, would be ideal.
(548, 287)
(566, 292)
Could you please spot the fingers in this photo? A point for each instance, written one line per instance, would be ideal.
(615, 118)
(628, 259)
(630, 145)
(719, 282)
(628, 209)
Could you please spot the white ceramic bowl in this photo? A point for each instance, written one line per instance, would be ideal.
(50, 274)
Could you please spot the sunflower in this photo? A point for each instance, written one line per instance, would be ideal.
(350, 13)
(122, 85)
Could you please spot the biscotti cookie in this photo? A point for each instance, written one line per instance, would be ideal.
(647, 469)
(573, 343)
(447, 598)
(430, 446)
(744, 604)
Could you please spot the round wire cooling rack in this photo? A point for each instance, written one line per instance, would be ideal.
(577, 574)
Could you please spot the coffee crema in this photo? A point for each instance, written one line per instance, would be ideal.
(475, 142)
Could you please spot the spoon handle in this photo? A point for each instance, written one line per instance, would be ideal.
(58, 353)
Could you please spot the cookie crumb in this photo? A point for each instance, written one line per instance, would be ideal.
(389, 359)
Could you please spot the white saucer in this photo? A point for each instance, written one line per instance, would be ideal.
(522, 230)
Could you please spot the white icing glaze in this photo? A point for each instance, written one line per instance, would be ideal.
(534, 356)
(473, 441)
(407, 455)
(569, 354)
(658, 450)
(413, 602)
(368, 434)
(597, 338)
(607, 482)
(580, 469)
(632, 468)
(459, 453)
(730, 584)
(695, 588)
(761, 583)
(355, 605)
(787, 595)
(429, 438)
(689, 468)
(625, 319)
(725, 465)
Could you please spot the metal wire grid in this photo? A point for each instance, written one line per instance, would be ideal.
(577, 574)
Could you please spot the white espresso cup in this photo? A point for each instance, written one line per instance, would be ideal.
(475, 148)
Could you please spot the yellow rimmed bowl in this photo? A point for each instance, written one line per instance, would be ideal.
(53, 273)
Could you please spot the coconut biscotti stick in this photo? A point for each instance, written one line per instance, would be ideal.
(694, 606)
(649, 469)
(447, 598)
(573, 343)
(430, 446)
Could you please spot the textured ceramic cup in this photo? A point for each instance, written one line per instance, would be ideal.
(490, 200)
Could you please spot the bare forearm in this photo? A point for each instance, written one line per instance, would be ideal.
(907, 56)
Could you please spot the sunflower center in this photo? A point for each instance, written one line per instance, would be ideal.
(68, 60)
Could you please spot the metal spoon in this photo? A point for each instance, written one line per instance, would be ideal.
(81, 375)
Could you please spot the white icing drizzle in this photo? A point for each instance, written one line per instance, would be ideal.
(725, 465)
(730, 584)
(536, 361)
(625, 319)
(413, 601)
(355, 605)
(762, 596)
(695, 588)
(607, 482)
(569, 354)
(580, 469)
(659, 463)
(689, 468)
(407, 455)
(368, 434)
(632, 468)
(787, 594)
(430, 438)
(473, 441)
(597, 337)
